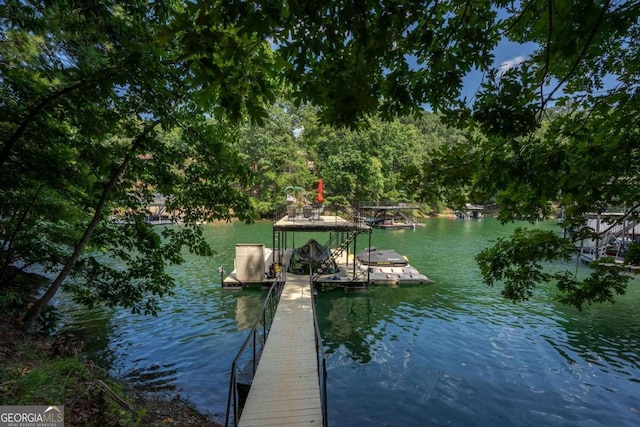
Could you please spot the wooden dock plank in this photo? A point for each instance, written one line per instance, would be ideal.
(286, 389)
(292, 420)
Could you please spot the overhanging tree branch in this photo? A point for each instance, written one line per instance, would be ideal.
(36, 308)
(581, 56)
(9, 143)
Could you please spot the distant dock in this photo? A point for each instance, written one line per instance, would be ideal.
(391, 216)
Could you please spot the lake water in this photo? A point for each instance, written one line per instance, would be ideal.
(450, 353)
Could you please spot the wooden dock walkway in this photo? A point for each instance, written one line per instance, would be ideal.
(286, 388)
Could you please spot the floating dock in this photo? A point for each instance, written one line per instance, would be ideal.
(256, 264)
(337, 266)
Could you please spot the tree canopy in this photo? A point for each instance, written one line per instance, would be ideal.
(554, 129)
(97, 117)
(105, 103)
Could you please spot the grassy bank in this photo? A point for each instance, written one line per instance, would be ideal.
(50, 370)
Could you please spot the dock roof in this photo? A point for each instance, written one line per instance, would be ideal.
(318, 223)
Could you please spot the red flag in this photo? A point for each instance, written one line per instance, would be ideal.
(319, 198)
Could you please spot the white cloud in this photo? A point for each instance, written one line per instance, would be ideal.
(511, 63)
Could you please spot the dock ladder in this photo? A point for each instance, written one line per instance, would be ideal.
(352, 232)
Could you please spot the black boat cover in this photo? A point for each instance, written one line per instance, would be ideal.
(312, 253)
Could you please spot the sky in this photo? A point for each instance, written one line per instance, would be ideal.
(506, 55)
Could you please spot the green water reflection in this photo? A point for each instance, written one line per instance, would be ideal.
(451, 353)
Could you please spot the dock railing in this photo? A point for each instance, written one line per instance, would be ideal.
(245, 363)
(321, 356)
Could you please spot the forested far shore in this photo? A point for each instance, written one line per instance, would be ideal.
(222, 106)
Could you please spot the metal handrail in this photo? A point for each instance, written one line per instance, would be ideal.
(320, 356)
(264, 321)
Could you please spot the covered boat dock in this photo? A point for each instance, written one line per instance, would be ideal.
(256, 264)
(391, 216)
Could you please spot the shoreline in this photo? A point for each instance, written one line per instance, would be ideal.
(50, 370)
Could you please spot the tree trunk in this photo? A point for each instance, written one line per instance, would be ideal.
(39, 305)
